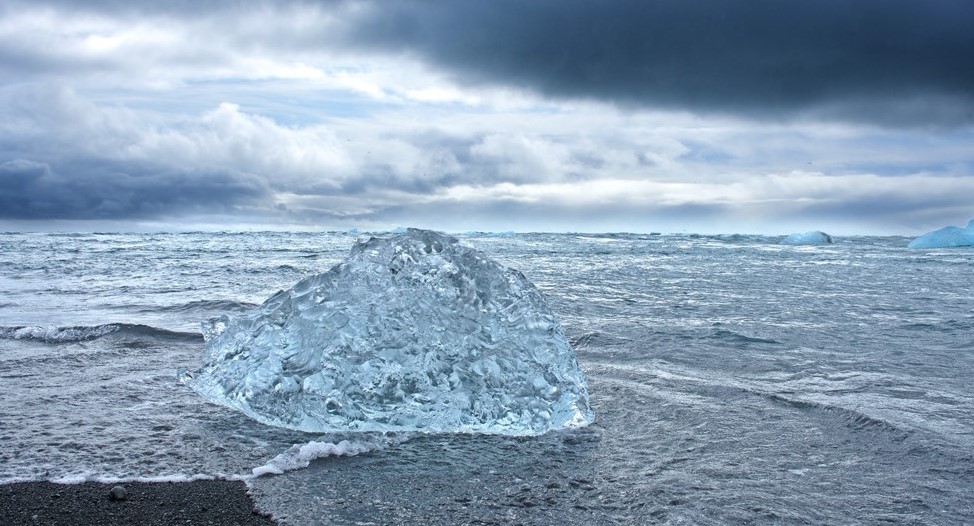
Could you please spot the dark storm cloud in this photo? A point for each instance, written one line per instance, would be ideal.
(106, 190)
(887, 61)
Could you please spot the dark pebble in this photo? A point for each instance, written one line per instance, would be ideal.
(118, 493)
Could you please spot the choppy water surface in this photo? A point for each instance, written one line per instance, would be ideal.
(734, 380)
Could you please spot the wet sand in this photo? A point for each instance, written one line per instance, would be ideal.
(209, 502)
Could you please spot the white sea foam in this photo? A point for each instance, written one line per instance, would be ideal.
(79, 478)
(300, 456)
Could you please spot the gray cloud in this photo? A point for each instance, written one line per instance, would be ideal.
(104, 190)
(64, 157)
(898, 62)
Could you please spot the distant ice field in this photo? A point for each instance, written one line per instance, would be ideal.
(734, 380)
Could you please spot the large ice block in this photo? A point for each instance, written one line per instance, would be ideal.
(946, 237)
(814, 237)
(413, 332)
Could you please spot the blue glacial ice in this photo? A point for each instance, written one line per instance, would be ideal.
(949, 236)
(807, 238)
(412, 332)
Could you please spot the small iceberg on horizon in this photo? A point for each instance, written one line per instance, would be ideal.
(814, 237)
(411, 332)
(946, 237)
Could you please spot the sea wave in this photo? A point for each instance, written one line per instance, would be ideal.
(88, 333)
(205, 305)
(596, 339)
(733, 337)
(849, 418)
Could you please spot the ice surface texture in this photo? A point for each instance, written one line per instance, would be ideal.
(949, 236)
(808, 238)
(414, 332)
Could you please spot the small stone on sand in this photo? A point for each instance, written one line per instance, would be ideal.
(118, 493)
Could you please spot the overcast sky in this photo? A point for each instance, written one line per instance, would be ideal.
(714, 116)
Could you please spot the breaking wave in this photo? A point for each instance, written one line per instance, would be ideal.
(206, 305)
(300, 456)
(88, 333)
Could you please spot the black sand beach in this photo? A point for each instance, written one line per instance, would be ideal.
(209, 502)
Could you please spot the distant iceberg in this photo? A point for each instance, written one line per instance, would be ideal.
(412, 332)
(950, 236)
(808, 238)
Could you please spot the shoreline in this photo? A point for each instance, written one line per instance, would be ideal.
(210, 502)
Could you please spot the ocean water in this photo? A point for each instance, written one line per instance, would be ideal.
(734, 381)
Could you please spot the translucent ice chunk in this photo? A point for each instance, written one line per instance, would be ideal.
(807, 238)
(948, 236)
(410, 332)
